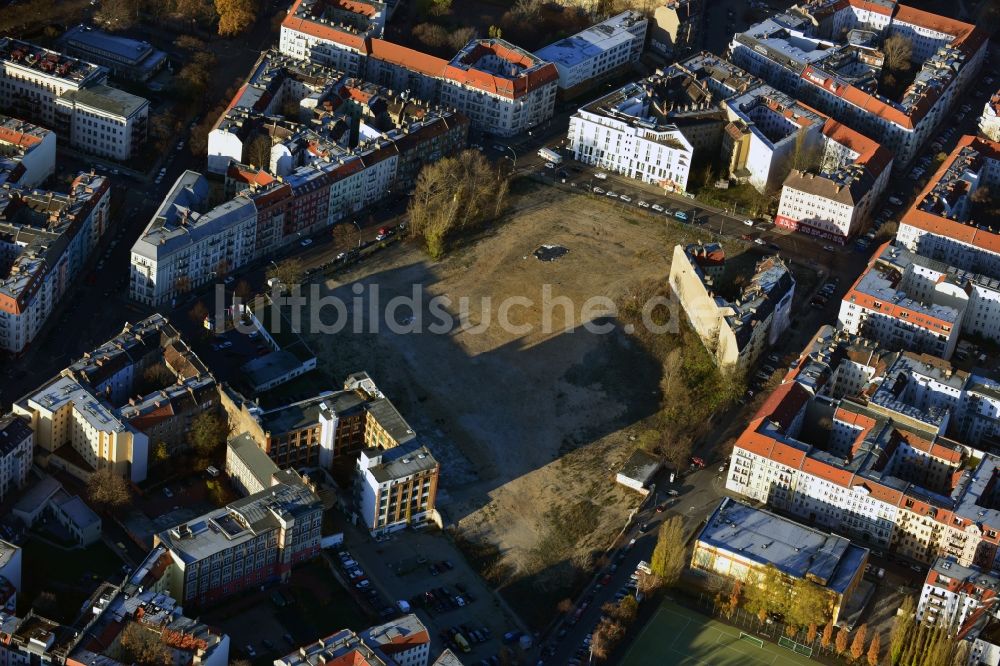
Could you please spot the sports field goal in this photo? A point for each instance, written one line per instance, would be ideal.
(788, 643)
(751, 639)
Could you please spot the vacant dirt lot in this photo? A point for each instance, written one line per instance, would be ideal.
(528, 425)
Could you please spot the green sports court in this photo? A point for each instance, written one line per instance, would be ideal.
(681, 637)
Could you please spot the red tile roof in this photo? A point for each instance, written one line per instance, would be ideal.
(942, 226)
(23, 139)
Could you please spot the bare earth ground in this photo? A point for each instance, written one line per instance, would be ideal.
(527, 426)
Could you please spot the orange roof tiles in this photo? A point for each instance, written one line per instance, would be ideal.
(22, 139)
(870, 153)
(875, 7)
(955, 229)
(783, 404)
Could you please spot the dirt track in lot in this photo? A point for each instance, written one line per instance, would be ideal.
(528, 425)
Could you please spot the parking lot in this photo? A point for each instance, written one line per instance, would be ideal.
(427, 572)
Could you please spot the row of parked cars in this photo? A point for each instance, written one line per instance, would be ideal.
(824, 294)
(442, 600)
(463, 637)
(679, 214)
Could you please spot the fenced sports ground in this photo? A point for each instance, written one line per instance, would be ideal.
(680, 636)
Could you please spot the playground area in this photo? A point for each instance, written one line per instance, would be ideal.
(684, 637)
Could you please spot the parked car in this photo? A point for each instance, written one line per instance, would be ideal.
(657, 207)
(626, 198)
(305, 242)
(748, 222)
(598, 190)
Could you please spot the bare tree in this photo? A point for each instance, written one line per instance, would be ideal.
(898, 52)
(108, 490)
(289, 272)
(258, 152)
(453, 195)
(141, 645)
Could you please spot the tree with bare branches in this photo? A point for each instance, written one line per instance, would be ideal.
(108, 490)
(898, 52)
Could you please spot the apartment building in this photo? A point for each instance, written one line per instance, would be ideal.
(188, 243)
(782, 132)
(956, 596)
(739, 542)
(332, 426)
(828, 55)
(906, 301)
(277, 83)
(500, 88)
(17, 444)
(103, 121)
(404, 641)
(88, 418)
(10, 569)
(396, 487)
(45, 240)
(677, 27)
(249, 469)
(27, 153)
(126, 59)
(736, 332)
(878, 464)
(626, 132)
(989, 121)
(693, 93)
(333, 33)
(250, 542)
(942, 223)
(72, 98)
(602, 50)
(834, 199)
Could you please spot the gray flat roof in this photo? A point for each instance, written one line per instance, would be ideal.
(402, 461)
(793, 548)
(250, 454)
(107, 99)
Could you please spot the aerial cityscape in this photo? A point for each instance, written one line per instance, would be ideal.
(499, 332)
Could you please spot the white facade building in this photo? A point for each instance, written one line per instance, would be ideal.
(620, 132)
(501, 88)
(396, 487)
(903, 301)
(803, 53)
(104, 121)
(16, 449)
(606, 47)
(28, 152)
(183, 248)
(941, 223)
(989, 122)
(836, 198)
(952, 594)
(71, 97)
(778, 126)
(49, 238)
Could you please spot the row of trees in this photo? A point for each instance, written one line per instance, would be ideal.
(614, 624)
(800, 603)
(455, 195)
(913, 643)
(232, 17)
